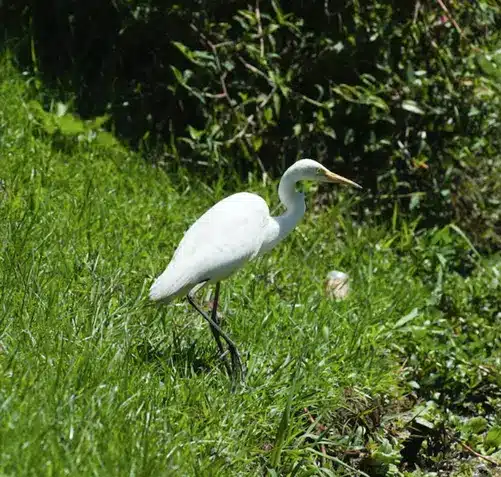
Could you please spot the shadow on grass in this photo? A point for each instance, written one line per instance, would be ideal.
(185, 359)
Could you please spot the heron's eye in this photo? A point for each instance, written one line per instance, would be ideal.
(320, 172)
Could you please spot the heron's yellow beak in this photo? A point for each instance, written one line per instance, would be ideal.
(331, 177)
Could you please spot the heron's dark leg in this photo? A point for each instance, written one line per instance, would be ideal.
(235, 357)
(217, 331)
(215, 319)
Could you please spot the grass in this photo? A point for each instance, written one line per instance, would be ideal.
(94, 380)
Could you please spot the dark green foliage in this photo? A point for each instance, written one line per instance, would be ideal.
(400, 95)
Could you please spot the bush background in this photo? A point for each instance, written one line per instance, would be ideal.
(404, 96)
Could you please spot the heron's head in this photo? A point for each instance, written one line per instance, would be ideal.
(308, 169)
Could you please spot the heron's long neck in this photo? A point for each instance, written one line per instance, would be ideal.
(293, 201)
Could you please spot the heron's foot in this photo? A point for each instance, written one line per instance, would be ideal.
(236, 367)
(238, 370)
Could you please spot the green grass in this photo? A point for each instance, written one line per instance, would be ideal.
(94, 380)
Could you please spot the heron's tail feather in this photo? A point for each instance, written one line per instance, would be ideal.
(169, 286)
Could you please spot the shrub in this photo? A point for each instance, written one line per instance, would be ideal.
(403, 96)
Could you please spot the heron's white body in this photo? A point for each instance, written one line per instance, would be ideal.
(232, 232)
(221, 241)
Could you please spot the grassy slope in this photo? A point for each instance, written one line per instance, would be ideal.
(95, 380)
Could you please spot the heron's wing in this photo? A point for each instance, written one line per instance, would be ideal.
(229, 231)
(222, 240)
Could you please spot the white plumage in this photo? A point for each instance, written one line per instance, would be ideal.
(227, 236)
(220, 242)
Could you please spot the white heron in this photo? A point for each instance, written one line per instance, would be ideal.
(227, 236)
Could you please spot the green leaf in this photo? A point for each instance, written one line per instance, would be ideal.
(360, 95)
(61, 109)
(387, 453)
(278, 12)
(493, 438)
(276, 104)
(268, 115)
(424, 422)
(195, 133)
(184, 50)
(107, 139)
(177, 74)
(70, 125)
(412, 107)
(257, 142)
(475, 425)
(99, 121)
(405, 319)
(414, 202)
